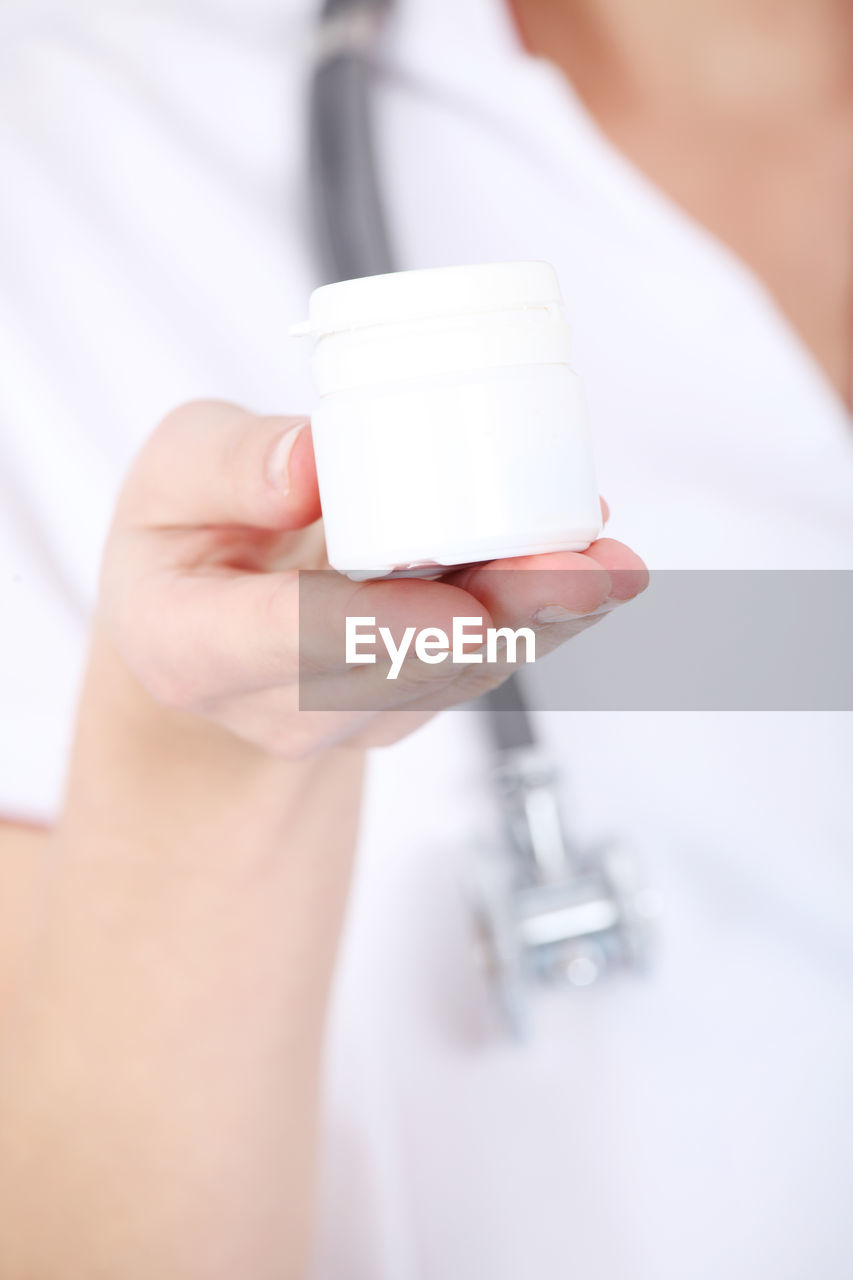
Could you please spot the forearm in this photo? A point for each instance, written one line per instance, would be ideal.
(159, 1080)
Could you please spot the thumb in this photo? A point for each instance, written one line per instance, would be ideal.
(210, 462)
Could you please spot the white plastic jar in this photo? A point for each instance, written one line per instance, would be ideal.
(450, 427)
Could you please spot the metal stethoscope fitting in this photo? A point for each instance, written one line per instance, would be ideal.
(547, 913)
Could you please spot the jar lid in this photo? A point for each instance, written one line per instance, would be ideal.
(430, 293)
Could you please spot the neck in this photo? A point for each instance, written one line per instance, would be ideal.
(732, 53)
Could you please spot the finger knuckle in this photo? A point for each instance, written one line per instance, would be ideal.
(171, 687)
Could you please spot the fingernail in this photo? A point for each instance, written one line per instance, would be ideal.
(557, 613)
(278, 467)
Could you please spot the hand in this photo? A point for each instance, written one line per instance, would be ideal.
(199, 591)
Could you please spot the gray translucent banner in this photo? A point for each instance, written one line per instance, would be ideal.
(702, 640)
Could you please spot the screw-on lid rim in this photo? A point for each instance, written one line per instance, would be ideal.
(430, 293)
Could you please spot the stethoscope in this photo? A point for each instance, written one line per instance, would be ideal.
(546, 910)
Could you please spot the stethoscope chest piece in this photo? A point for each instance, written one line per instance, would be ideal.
(546, 913)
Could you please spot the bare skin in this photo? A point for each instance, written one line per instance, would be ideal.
(742, 112)
(167, 950)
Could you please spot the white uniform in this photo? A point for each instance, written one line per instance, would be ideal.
(153, 247)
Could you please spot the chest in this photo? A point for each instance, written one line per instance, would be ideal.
(779, 194)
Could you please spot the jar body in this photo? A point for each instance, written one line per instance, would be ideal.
(455, 468)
